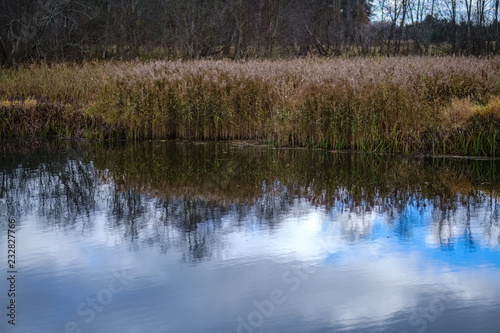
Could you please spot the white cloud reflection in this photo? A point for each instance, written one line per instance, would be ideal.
(360, 277)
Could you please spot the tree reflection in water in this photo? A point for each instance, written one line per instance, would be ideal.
(190, 196)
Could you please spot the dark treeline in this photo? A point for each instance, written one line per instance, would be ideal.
(74, 30)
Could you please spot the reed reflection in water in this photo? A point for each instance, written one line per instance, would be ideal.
(205, 231)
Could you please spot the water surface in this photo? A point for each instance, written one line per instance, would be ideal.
(184, 237)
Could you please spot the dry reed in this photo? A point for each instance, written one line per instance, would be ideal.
(413, 104)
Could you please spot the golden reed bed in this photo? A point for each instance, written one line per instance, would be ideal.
(445, 105)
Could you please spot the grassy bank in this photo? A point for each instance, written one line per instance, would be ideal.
(426, 105)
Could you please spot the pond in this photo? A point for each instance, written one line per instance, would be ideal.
(234, 237)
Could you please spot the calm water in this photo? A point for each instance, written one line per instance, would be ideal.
(163, 237)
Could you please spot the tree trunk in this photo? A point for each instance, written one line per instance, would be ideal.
(4, 56)
(497, 39)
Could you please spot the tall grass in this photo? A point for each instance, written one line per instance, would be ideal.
(433, 105)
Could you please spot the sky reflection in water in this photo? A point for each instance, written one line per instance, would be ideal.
(232, 238)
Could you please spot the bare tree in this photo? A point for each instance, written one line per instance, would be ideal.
(497, 29)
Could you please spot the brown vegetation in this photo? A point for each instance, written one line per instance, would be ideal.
(439, 105)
